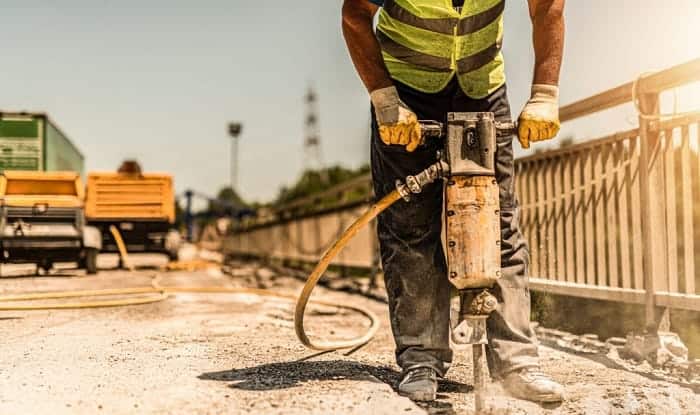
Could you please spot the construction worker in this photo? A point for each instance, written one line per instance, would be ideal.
(428, 58)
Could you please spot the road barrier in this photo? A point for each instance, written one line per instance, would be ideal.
(613, 218)
(306, 237)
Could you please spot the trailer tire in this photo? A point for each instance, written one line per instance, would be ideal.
(45, 266)
(172, 244)
(91, 260)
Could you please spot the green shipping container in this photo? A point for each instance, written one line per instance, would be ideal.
(34, 142)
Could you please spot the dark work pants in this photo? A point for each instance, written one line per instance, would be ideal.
(412, 254)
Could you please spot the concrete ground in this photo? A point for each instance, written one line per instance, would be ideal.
(237, 354)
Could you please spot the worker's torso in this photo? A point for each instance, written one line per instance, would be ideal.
(425, 43)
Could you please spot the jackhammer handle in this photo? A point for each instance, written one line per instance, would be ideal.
(506, 128)
(431, 129)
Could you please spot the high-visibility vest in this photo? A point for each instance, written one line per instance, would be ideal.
(427, 42)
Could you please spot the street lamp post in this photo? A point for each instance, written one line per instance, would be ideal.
(234, 130)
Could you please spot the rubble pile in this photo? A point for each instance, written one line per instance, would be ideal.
(663, 355)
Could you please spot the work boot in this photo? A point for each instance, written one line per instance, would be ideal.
(419, 384)
(531, 384)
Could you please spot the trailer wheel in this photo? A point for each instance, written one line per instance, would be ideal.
(46, 266)
(91, 260)
(173, 256)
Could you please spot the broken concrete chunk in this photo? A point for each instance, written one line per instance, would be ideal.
(658, 349)
(265, 273)
(616, 341)
(673, 343)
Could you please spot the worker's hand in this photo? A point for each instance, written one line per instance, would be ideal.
(397, 123)
(540, 117)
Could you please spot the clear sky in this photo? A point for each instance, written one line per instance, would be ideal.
(158, 80)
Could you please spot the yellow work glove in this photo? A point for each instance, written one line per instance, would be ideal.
(540, 117)
(397, 123)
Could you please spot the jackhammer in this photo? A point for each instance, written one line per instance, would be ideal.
(472, 229)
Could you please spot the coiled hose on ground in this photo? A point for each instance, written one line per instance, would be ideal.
(322, 266)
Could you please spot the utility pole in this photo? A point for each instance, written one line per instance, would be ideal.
(234, 131)
(313, 158)
(189, 222)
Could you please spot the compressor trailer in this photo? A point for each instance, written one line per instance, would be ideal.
(140, 205)
(42, 220)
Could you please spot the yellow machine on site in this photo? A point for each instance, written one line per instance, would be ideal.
(42, 220)
(140, 205)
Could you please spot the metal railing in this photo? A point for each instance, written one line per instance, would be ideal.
(599, 224)
(583, 217)
(615, 218)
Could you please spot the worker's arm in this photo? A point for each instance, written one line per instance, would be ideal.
(362, 45)
(540, 117)
(397, 123)
(548, 39)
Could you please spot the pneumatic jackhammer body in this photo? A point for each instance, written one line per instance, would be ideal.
(472, 222)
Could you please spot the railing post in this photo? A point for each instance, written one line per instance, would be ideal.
(651, 176)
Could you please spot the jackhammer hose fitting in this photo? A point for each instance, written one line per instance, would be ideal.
(414, 184)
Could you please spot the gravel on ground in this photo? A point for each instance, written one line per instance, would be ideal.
(237, 354)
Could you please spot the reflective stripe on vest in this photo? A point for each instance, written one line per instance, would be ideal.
(409, 55)
(479, 59)
(426, 42)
